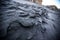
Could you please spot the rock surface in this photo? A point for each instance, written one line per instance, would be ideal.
(22, 20)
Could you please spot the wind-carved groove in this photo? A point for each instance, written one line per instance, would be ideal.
(23, 14)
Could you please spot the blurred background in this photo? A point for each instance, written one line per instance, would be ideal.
(52, 4)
